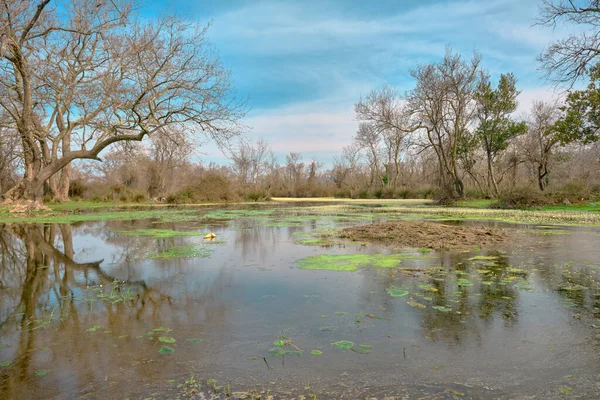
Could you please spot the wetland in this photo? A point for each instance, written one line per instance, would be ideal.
(136, 303)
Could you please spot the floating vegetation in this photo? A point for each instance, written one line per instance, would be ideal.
(478, 258)
(166, 339)
(329, 328)
(464, 282)
(343, 344)
(350, 262)
(442, 308)
(166, 350)
(395, 291)
(193, 340)
(41, 372)
(414, 303)
(94, 328)
(187, 251)
(316, 353)
(282, 346)
(5, 364)
(158, 233)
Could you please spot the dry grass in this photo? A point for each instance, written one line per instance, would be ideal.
(351, 201)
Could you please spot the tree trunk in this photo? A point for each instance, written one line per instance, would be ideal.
(64, 183)
(65, 174)
(542, 174)
(491, 174)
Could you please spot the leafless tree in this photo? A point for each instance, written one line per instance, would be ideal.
(80, 76)
(541, 140)
(566, 60)
(443, 103)
(388, 124)
(251, 162)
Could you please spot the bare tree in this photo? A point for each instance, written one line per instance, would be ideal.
(168, 152)
(389, 124)
(542, 139)
(566, 60)
(81, 76)
(443, 102)
(251, 163)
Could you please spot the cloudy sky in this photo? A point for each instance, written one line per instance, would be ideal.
(302, 64)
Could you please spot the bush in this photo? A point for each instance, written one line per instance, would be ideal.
(139, 197)
(363, 194)
(258, 195)
(77, 189)
(211, 187)
(521, 198)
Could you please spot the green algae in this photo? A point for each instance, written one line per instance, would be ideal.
(486, 258)
(158, 233)
(350, 262)
(188, 251)
(162, 215)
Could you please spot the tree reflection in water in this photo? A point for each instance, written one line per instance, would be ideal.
(48, 299)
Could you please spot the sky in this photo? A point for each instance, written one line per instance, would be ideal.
(303, 64)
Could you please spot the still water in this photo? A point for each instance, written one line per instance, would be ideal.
(119, 309)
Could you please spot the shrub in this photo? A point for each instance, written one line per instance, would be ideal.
(211, 187)
(521, 198)
(363, 194)
(77, 188)
(139, 197)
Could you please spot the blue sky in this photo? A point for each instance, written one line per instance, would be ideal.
(303, 64)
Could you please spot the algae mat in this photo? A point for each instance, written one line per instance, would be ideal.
(352, 262)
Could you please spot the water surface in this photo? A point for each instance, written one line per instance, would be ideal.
(85, 310)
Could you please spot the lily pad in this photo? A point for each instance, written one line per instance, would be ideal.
(166, 339)
(41, 372)
(396, 291)
(343, 344)
(276, 351)
(166, 350)
(5, 363)
(316, 353)
(94, 328)
(193, 340)
(329, 328)
(442, 308)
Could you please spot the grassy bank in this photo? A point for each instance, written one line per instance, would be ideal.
(71, 212)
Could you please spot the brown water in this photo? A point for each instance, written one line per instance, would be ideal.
(79, 303)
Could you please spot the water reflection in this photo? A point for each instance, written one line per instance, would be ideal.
(82, 310)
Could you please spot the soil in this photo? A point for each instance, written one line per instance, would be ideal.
(426, 235)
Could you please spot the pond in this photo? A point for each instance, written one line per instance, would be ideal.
(276, 307)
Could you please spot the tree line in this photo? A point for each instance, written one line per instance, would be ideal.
(85, 78)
